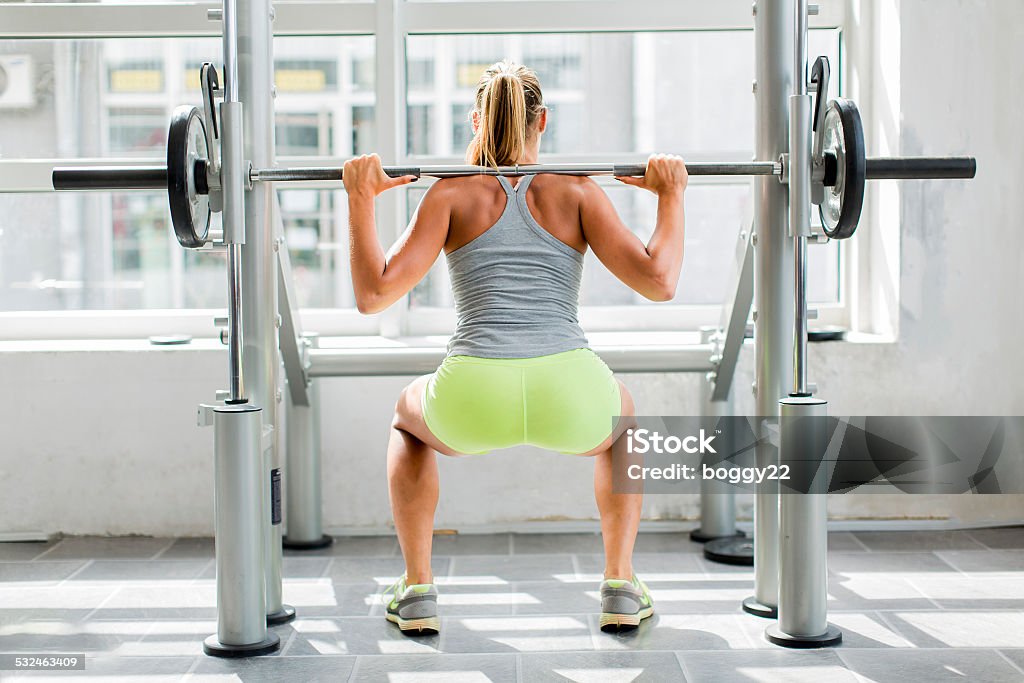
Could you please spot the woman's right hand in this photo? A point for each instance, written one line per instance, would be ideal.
(666, 174)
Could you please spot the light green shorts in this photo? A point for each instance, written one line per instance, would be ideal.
(566, 402)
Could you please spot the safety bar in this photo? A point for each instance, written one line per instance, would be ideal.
(374, 362)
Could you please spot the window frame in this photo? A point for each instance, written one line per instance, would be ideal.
(391, 22)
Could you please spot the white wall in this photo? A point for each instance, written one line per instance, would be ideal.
(104, 441)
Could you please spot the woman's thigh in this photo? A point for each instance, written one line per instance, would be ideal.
(627, 420)
(409, 415)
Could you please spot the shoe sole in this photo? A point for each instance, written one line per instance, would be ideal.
(612, 623)
(426, 625)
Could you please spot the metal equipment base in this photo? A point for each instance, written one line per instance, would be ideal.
(736, 551)
(213, 647)
(831, 636)
(286, 614)
(698, 537)
(321, 542)
(752, 606)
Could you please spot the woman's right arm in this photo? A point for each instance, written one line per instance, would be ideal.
(652, 270)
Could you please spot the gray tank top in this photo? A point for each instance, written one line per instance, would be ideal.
(516, 288)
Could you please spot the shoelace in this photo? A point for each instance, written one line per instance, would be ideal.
(396, 589)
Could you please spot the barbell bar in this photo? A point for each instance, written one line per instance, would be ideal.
(114, 178)
(188, 180)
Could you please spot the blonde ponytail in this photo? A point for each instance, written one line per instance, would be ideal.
(508, 102)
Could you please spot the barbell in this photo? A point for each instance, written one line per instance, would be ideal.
(189, 178)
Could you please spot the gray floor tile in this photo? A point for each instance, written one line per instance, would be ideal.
(635, 667)
(934, 666)
(304, 567)
(674, 542)
(709, 595)
(887, 563)
(513, 568)
(875, 591)
(352, 636)
(1015, 656)
(134, 668)
(917, 541)
(320, 598)
(291, 567)
(139, 570)
(558, 598)
(864, 630)
(12, 617)
(700, 632)
(189, 549)
(92, 637)
(970, 591)
(276, 669)
(764, 666)
(844, 541)
(495, 634)
(648, 566)
(525, 544)
(710, 567)
(984, 560)
(64, 596)
(102, 548)
(383, 570)
(352, 546)
(459, 600)
(24, 551)
(918, 606)
(959, 628)
(1005, 538)
(409, 668)
(38, 571)
(472, 544)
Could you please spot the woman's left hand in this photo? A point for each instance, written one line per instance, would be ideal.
(364, 176)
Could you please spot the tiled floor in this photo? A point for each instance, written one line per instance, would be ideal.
(913, 606)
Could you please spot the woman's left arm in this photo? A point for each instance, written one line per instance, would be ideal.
(380, 279)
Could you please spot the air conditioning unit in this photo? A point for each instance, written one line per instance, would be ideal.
(17, 88)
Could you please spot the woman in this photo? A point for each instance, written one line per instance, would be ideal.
(518, 369)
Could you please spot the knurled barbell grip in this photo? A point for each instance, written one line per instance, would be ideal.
(754, 168)
(629, 170)
(399, 171)
(110, 178)
(321, 173)
(921, 168)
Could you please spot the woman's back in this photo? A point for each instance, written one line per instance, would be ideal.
(515, 280)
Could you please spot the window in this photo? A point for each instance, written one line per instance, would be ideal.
(613, 95)
(114, 98)
(624, 95)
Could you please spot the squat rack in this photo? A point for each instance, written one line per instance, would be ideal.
(246, 433)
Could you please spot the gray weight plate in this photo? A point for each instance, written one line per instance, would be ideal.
(186, 151)
(846, 169)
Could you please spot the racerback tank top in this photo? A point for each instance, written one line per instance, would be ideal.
(516, 287)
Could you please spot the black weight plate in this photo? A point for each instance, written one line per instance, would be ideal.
(844, 149)
(186, 146)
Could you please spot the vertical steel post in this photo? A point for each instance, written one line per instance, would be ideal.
(259, 277)
(717, 499)
(305, 488)
(773, 40)
(239, 475)
(803, 429)
(803, 583)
